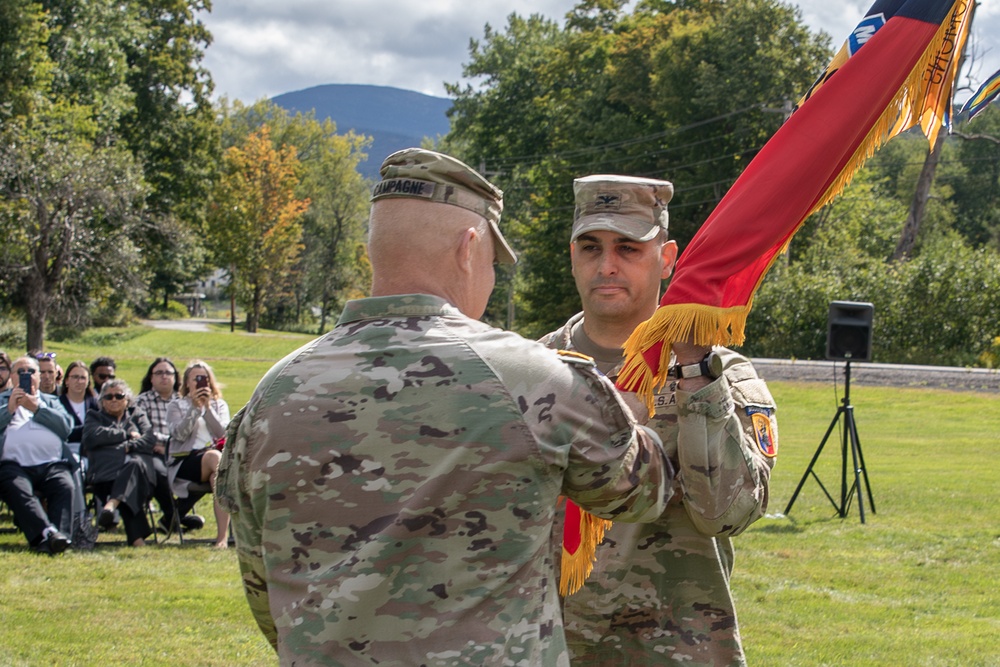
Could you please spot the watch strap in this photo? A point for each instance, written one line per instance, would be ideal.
(687, 371)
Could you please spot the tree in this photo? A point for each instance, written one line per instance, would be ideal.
(682, 91)
(102, 85)
(25, 68)
(69, 213)
(331, 270)
(977, 188)
(171, 128)
(255, 220)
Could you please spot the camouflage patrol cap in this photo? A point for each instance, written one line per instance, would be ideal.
(424, 174)
(632, 206)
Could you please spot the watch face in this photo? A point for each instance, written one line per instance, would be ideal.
(715, 366)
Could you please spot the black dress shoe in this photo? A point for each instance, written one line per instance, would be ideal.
(57, 542)
(193, 522)
(106, 519)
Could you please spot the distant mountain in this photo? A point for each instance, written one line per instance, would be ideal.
(393, 117)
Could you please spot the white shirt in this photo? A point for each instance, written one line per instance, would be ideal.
(28, 443)
(79, 409)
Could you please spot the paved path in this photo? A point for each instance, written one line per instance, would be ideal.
(882, 375)
(183, 325)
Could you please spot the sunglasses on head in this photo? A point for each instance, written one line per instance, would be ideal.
(113, 397)
(41, 356)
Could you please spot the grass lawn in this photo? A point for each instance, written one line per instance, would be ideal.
(918, 584)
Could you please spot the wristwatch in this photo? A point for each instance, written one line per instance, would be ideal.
(710, 366)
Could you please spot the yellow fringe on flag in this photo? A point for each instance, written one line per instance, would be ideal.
(918, 101)
(576, 567)
(909, 106)
(704, 325)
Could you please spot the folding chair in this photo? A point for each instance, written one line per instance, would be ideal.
(95, 506)
(195, 490)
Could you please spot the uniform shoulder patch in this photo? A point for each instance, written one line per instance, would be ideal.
(763, 431)
(571, 357)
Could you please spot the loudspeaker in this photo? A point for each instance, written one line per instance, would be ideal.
(849, 331)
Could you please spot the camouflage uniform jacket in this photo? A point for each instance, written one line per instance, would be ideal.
(393, 488)
(660, 593)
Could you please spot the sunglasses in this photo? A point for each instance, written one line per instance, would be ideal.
(113, 397)
(26, 371)
(102, 376)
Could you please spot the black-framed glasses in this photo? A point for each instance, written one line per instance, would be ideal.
(4, 369)
(42, 356)
(102, 377)
(113, 397)
(164, 373)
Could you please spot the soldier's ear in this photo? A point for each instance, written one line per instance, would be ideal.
(466, 249)
(669, 254)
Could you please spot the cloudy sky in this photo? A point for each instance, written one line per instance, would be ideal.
(263, 48)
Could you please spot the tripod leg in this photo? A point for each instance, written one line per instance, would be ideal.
(844, 436)
(855, 449)
(861, 459)
(819, 450)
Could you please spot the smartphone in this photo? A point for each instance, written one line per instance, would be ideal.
(200, 381)
(24, 381)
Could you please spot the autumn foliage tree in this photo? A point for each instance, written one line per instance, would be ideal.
(255, 220)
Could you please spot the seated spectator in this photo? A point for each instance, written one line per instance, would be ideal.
(77, 398)
(5, 382)
(102, 369)
(198, 421)
(159, 388)
(118, 441)
(48, 382)
(36, 466)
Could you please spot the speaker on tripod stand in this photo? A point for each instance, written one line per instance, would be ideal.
(849, 331)
(848, 338)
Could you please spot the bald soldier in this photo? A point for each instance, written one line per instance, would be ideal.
(393, 484)
(659, 593)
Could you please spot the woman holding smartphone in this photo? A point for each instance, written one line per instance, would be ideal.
(197, 421)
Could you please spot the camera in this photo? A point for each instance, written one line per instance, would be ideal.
(200, 381)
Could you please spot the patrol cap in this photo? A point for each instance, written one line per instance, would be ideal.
(632, 206)
(424, 174)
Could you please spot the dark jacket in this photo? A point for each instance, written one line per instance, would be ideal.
(89, 403)
(106, 439)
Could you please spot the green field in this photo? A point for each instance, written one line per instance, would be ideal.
(917, 584)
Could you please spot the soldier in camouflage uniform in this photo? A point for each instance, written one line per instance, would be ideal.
(660, 593)
(393, 484)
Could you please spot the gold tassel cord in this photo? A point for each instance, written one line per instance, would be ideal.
(576, 567)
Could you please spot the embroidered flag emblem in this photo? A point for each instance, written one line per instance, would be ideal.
(763, 434)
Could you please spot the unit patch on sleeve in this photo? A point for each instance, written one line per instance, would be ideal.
(763, 433)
